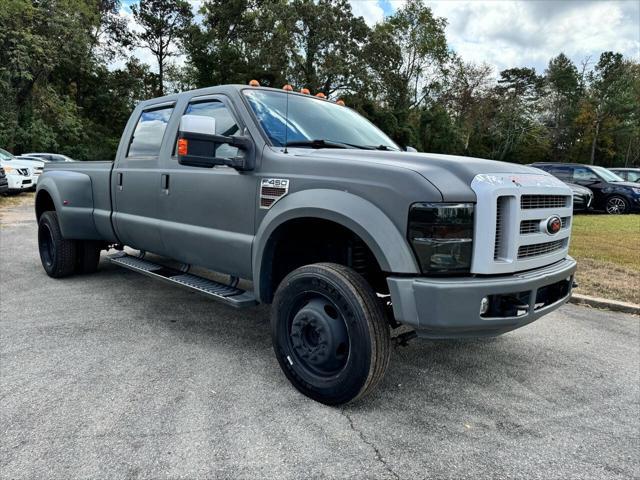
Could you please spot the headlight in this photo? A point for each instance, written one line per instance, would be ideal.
(8, 169)
(441, 235)
(636, 190)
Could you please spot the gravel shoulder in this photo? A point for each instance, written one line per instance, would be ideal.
(115, 375)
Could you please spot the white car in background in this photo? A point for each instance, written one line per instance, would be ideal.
(51, 157)
(21, 174)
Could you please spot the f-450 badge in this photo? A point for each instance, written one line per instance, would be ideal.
(272, 190)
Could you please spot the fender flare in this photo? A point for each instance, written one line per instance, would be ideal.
(76, 217)
(362, 217)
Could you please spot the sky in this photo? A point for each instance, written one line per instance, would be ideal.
(509, 33)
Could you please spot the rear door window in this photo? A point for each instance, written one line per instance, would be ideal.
(147, 137)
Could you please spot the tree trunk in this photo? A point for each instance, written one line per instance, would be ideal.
(160, 76)
(593, 144)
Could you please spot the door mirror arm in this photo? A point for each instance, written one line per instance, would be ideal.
(194, 149)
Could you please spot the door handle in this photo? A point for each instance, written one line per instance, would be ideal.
(164, 183)
(119, 177)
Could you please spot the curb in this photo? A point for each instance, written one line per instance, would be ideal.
(614, 305)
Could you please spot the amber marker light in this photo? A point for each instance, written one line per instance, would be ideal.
(340, 102)
(305, 91)
(183, 146)
(287, 88)
(321, 95)
(254, 83)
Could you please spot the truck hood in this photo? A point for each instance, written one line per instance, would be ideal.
(451, 175)
(19, 164)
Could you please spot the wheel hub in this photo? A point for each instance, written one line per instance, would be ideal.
(319, 336)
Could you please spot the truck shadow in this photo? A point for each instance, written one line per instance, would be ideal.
(425, 368)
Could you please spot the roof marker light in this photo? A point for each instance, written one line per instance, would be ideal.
(254, 83)
(288, 88)
(305, 91)
(340, 102)
(321, 95)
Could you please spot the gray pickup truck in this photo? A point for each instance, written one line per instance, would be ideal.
(347, 236)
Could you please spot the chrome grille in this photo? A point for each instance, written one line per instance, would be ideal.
(528, 202)
(527, 251)
(529, 226)
(533, 226)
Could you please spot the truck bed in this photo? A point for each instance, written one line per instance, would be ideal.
(93, 204)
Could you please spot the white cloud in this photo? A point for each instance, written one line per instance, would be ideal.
(520, 33)
(505, 33)
(370, 10)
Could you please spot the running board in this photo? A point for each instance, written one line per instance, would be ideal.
(232, 296)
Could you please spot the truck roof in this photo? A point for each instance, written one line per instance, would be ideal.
(219, 89)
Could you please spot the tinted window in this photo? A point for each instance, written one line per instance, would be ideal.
(225, 123)
(563, 173)
(582, 174)
(149, 131)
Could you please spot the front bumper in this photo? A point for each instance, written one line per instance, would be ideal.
(450, 307)
(19, 182)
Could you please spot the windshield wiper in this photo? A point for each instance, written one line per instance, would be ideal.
(318, 143)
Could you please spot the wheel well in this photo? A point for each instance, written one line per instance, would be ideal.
(305, 241)
(44, 203)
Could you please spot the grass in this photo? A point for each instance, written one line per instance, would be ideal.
(8, 203)
(607, 248)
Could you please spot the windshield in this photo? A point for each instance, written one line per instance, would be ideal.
(4, 155)
(311, 119)
(607, 175)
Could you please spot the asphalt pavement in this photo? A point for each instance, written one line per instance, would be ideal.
(114, 375)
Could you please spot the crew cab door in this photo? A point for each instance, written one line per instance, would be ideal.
(210, 211)
(136, 182)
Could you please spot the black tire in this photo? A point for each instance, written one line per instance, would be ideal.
(57, 254)
(616, 205)
(88, 256)
(329, 333)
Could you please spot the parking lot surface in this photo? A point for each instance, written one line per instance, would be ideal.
(115, 375)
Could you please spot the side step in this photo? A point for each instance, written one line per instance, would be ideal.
(224, 293)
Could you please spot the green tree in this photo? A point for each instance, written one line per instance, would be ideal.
(163, 23)
(610, 94)
(563, 95)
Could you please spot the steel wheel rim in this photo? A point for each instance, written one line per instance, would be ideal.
(318, 337)
(615, 206)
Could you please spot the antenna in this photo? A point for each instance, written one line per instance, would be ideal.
(287, 88)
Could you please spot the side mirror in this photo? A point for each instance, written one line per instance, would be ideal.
(410, 149)
(198, 144)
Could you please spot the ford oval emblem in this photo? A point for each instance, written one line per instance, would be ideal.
(554, 224)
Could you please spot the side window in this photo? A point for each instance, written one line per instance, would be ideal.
(582, 174)
(563, 173)
(147, 137)
(225, 123)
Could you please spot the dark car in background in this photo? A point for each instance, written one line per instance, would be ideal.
(4, 183)
(611, 193)
(628, 174)
(582, 197)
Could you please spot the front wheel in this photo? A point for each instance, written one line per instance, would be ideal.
(617, 205)
(57, 254)
(329, 333)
